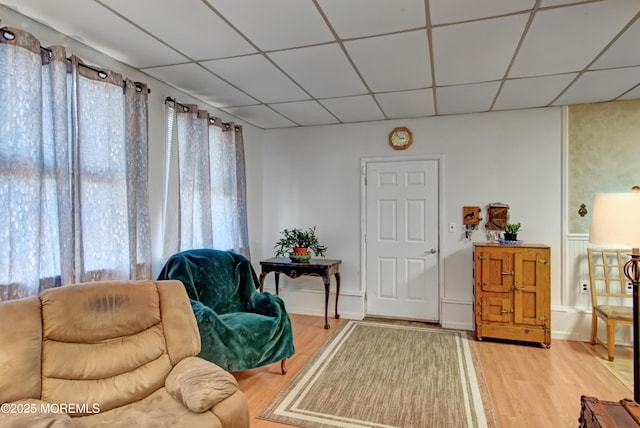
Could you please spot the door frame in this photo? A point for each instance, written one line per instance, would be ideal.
(363, 220)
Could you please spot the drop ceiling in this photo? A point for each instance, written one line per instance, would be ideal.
(287, 63)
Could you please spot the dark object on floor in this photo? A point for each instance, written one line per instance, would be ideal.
(608, 414)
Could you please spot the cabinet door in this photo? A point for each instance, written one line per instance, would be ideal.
(496, 270)
(530, 288)
(496, 307)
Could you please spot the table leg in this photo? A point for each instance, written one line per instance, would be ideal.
(262, 276)
(327, 281)
(277, 282)
(337, 293)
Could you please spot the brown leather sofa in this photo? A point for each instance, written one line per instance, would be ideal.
(111, 354)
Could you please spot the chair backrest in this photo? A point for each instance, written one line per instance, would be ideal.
(609, 285)
(110, 342)
(222, 280)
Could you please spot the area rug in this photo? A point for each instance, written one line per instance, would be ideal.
(377, 374)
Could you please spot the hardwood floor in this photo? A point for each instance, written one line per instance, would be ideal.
(530, 386)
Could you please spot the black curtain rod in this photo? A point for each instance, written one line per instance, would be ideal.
(101, 73)
(185, 107)
(173, 100)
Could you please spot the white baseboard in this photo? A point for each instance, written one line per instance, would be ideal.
(306, 301)
(456, 314)
(567, 323)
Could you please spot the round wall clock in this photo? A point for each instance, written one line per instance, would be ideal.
(400, 138)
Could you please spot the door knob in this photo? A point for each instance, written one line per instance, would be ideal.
(431, 251)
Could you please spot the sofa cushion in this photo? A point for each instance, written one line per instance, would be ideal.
(155, 411)
(21, 339)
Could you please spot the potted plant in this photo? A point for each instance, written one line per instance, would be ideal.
(297, 242)
(511, 231)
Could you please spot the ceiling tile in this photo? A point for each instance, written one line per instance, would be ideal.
(382, 68)
(624, 52)
(108, 37)
(632, 94)
(260, 116)
(276, 24)
(532, 91)
(475, 51)
(361, 18)
(567, 39)
(472, 98)
(354, 109)
(443, 11)
(305, 113)
(602, 85)
(213, 38)
(273, 86)
(197, 81)
(398, 105)
(394, 62)
(547, 3)
(323, 71)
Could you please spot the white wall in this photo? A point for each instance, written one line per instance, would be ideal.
(311, 176)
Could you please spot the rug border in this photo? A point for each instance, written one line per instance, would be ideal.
(487, 404)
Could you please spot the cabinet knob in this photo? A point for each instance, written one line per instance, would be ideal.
(515, 287)
(507, 272)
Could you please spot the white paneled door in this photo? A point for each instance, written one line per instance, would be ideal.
(401, 240)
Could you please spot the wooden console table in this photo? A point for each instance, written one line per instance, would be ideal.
(315, 267)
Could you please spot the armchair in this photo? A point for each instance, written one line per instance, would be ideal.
(240, 328)
(111, 354)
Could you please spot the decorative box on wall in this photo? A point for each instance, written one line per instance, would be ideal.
(512, 292)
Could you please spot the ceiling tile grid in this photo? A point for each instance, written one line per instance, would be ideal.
(287, 63)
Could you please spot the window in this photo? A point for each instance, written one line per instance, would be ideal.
(205, 191)
(73, 171)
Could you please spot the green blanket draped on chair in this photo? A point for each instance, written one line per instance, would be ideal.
(240, 328)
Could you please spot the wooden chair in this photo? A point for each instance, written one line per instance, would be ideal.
(609, 293)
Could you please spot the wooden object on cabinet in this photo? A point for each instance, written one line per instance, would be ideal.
(512, 289)
(608, 414)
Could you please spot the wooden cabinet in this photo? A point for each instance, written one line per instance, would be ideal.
(512, 292)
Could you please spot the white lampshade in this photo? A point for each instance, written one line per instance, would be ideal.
(615, 220)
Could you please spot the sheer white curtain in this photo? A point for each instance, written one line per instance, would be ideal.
(205, 190)
(73, 170)
(228, 185)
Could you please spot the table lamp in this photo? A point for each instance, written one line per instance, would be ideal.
(615, 221)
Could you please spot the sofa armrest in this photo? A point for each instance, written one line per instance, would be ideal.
(199, 384)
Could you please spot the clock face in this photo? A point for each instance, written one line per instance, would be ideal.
(400, 138)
